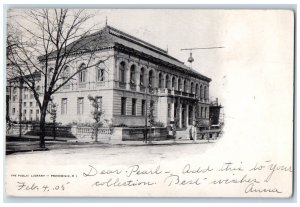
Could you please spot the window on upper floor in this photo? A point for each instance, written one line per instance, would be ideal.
(167, 84)
(82, 73)
(132, 74)
(160, 80)
(100, 70)
(192, 88)
(142, 75)
(151, 79)
(184, 85)
(173, 83)
(205, 93)
(201, 91)
(179, 85)
(122, 77)
(14, 90)
(66, 73)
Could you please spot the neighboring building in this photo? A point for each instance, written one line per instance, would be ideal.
(21, 100)
(135, 76)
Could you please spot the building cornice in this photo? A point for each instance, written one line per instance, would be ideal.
(146, 57)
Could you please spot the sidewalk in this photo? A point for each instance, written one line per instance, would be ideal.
(15, 144)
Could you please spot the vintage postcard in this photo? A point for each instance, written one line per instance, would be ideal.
(149, 103)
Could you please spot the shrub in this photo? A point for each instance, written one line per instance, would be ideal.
(158, 124)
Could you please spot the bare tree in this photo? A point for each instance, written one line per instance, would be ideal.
(45, 41)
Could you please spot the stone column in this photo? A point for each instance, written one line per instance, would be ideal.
(172, 110)
(187, 114)
(137, 80)
(180, 115)
(127, 77)
(193, 113)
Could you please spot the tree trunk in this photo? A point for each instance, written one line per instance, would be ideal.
(42, 128)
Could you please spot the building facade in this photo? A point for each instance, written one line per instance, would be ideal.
(135, 80)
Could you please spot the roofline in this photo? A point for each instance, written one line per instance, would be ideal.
(121, 47)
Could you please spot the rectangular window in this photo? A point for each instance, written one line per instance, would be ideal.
(30, 104)
(64, 103)
(31, 96)
(80, 105)
(24, 104)
(24, 115)
(123, 106)
(13, 111)
(169, 110)
(99, 102)
(133, 107)
(143, 107)
(31, 114)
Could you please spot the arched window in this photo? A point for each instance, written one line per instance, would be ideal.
(82, 73)
(184, 85)
(179, 84)
(204, 113)
(132, 74)
(66, 73)
(167, 85)
(192, 87)
(142, 75)
(100, 72)
(38, 88)
(160, 81)
(151, 79)
(173, 82)
(122, 72)
(201, 91)
(196, 90)
(205, 92)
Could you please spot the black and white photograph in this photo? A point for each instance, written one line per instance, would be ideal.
(149, 102)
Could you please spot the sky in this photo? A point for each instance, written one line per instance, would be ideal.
(252, 41)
